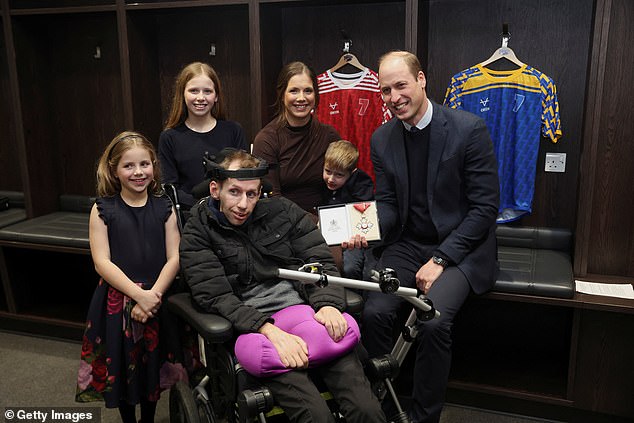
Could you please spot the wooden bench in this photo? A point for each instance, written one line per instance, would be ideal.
(15, 213)
(65, 230)
(535, 261)
(539, 346)
(34, 255)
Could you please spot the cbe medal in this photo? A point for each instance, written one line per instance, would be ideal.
(363, 225)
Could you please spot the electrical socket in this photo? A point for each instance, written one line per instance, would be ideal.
(555, 162)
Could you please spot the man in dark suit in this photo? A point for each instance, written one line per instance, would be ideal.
(438, 193)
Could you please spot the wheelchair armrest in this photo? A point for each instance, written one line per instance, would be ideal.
(354, 302)
(211, 327)
(217, 329)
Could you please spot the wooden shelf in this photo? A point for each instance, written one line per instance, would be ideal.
(170, 4)
(585, 301)
(552, 397)
(42, 326)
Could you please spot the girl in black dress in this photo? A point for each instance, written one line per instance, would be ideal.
(134, 241)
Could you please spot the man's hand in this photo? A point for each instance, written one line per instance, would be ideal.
(355, 241)
(427, 275)
(334, 322)
(292, 349)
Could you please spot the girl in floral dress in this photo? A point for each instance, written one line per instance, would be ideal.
(134, 241)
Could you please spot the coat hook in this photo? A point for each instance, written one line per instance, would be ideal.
(506, 35)
(212, 49)
(97, 54)
(347, 41)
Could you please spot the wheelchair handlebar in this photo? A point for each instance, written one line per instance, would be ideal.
(313, 275)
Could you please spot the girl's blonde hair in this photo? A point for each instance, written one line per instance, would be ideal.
(108, 184)
(178, 111)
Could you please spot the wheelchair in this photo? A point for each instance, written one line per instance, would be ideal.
(227, 393)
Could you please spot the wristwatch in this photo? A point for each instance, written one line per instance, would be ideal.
(441, 261)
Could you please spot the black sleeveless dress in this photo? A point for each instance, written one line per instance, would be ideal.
(122, 359)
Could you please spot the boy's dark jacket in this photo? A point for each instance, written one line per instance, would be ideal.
(221, 261)
(359, 187)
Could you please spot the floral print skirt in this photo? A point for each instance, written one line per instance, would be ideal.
(125, 360)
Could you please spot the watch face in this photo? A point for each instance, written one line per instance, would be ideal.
(440, 261)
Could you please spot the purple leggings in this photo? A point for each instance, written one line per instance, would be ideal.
(258, 356)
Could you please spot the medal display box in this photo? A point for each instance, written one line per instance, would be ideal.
(341, 222)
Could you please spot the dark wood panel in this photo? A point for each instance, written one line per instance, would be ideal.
(587, 174)
(272, 57)
(87, 108)
(526, 406)
(604, 363)
(144, 70)
(38, 4)
(71, 100)
(31, 291)
(611, 238)
(494, 339)
(32, 56)
(370, 34)
(185, 36)
(9, 162)
(553, 37)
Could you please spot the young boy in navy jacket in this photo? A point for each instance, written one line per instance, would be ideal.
(345, 183)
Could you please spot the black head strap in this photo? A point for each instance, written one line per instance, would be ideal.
(218, 173)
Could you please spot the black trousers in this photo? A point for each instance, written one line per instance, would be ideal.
(296, 393)
(433, 352)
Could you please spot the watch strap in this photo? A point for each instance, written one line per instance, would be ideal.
(441, 261)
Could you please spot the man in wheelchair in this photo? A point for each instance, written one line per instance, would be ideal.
(232, 247)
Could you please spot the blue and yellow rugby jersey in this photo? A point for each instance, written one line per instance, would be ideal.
(516, 105)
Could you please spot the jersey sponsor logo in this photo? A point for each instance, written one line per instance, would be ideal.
(333, 108)
(485, 105)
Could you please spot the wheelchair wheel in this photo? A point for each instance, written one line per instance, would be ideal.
(205, 410)
(182, 406)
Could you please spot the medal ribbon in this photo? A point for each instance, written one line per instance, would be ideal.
(362, 207)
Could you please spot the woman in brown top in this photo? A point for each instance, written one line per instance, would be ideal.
(295, 140)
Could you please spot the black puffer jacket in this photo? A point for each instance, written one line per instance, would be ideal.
(220, 261)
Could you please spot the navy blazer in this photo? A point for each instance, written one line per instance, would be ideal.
(462, 189)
